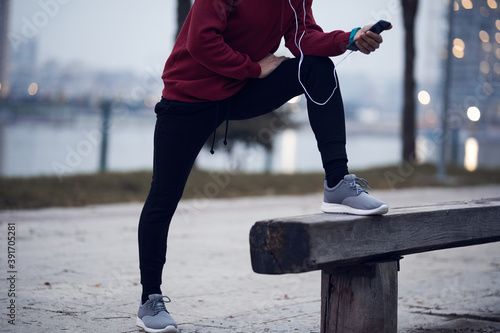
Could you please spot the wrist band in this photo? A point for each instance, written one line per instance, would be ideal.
(353, 33)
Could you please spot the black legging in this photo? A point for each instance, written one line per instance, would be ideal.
(183, 128)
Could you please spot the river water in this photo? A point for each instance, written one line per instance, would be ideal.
(34, 145)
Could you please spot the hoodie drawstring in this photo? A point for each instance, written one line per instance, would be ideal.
(215, 129)
(226, 116)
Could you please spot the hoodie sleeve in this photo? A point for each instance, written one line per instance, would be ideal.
(206, 44)
(315, 41)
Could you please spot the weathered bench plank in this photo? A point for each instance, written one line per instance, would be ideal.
(359, 256)
(313, 242)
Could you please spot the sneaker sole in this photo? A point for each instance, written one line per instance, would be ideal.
(168, 329)
(344, 209)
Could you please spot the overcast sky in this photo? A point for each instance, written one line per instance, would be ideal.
(138, 35)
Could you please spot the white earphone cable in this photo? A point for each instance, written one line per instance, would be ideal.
(297, 44)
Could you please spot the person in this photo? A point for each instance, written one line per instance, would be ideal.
(223, 68)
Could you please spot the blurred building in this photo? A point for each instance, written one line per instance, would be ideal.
(476, 58)
(4, 49)
(475, 81)
(23, 68)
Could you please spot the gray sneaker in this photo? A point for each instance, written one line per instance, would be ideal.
(350, 197)
(153, 317)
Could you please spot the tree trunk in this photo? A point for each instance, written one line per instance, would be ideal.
(4, 48)
(408, 130)
(183, 7)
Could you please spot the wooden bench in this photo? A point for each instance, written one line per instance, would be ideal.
(359, 256)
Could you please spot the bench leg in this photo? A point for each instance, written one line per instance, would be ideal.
(361, 298)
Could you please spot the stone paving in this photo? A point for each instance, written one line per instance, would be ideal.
(76, 270)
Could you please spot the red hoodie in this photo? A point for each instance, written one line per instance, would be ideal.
(221, 42)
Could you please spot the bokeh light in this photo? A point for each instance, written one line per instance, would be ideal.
(424, 97)
(33, 89)
(473, 113)
(458, 48)
(484, 36)
(471, 154)
(467, 4)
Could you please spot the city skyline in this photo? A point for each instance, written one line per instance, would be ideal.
(126, 35)
(47, 26)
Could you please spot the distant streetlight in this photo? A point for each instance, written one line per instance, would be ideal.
(484, 67)
(473, 113)
(458, 48)
(484, 36)
(471, 154)
(467, 4)
(424, 97)
(33, 89)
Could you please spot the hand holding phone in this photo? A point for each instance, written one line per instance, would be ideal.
(376, 28)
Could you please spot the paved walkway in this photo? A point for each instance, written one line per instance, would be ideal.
(77, 271)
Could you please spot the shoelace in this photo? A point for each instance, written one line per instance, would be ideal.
(158, 304)
(359, 184)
